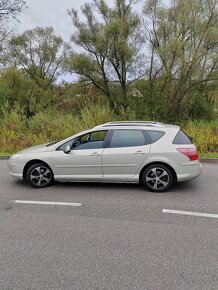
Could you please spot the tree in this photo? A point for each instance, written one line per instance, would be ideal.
(111, 39)
(8, 9)
(16, 87)
(183, 57)
(35, 58)
(40, 54)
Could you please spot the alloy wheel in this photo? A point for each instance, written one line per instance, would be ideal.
(157, 179)
(40, 176)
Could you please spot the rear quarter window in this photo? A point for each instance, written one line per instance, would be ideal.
(154, 135)
(182, 138)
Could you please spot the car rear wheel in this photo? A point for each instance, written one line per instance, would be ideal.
(39, 175)
(157, 178)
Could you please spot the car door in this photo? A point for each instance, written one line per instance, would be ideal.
(126, 152)
(83, 161)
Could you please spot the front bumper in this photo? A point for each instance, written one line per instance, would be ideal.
(15, 168)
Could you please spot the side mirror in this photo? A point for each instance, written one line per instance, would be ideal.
(67, 149)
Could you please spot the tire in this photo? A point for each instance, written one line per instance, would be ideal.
(39, 175)
(157, 178)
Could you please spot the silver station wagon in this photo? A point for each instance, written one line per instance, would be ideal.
(153, 153)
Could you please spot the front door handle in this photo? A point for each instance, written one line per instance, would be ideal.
(94, 154)
(139, 152)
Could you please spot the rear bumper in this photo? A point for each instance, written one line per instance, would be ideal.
(189, 170)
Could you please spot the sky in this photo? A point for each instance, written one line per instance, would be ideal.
(46, 13)
(53, 13)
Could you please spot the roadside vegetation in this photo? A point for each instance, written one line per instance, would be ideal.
(54, 125)
(160, 64)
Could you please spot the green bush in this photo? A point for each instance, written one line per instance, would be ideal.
(204, 134)
(16, 133)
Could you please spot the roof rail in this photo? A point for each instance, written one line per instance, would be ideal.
(132, 123)
(137, 122)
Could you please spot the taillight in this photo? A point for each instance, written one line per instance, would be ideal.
(191, 153)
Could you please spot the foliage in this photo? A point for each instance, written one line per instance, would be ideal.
(17, 87)
(12, 129)
(34, 63)
(75, 96)
(45, 126)
(204, 134)
(40, 54)
(111, 39)
(183, 57)
(9, 9)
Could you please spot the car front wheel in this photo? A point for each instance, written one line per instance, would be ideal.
(157, 178)
(39, 175)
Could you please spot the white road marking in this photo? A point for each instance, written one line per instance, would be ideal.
(46, 202)
(200, 214)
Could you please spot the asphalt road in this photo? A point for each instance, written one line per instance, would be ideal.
(119, 238)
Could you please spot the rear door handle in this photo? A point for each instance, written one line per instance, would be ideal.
(94, 154)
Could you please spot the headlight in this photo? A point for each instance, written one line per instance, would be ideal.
(15, 156)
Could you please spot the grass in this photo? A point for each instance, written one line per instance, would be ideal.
(209, 154)
(5, 154)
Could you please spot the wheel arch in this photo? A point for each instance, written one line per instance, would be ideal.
(30, 163)
(162, 163)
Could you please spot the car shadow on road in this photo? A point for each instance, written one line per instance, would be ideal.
(99, 185)
(185, 187)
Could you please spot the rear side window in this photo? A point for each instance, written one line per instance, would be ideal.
(181, 138)
(154, 135)
(127, 138)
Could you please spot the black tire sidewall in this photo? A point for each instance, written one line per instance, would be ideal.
(157, 166)
(31, 168)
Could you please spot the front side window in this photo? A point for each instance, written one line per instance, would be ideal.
(93, 140)
(127, 138)
(63, 146)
